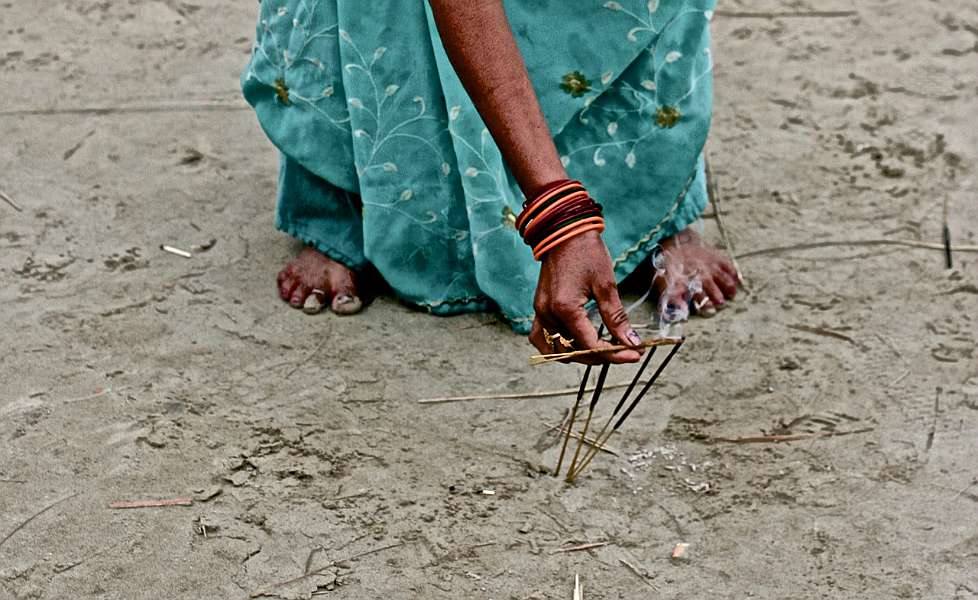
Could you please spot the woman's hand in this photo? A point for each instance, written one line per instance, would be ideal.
(571, 275)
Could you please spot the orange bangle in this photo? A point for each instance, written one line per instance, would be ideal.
(562, 235)
(553, 207)
(536, 203)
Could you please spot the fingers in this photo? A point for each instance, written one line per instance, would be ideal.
(579, 327)
(614, 316)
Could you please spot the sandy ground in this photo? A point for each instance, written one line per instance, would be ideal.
(128, 373)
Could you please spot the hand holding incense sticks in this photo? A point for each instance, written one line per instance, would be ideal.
(539, 359)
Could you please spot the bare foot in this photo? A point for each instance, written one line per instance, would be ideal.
(691, 274)
(311, 279)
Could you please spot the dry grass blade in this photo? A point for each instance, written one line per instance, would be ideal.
(10, 201)
(267, 591)
(854, 243)
(791, 437)
(581, 547)
(590, 441)
(824, 14)
(36, 515)
(713, 191)
(151, 503)
(539, 359)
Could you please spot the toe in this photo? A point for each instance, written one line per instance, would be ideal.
(299, 295)
(315, 302)
(286, 286)
(346, 299)
(713, 293)
(674, 305)
(726, 283)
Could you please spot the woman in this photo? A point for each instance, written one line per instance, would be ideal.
(411, 135)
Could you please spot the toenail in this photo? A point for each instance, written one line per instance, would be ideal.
(345, 299)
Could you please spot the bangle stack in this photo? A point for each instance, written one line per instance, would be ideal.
(563, 210)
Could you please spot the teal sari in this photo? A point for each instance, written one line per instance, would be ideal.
(384, 159)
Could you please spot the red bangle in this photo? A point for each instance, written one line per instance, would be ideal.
(541, 228)
(571, 232)
(531, 208)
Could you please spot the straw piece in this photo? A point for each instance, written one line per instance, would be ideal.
(10, 201)
(519, 395)
(843, 243)
(176, 251)
(713, 191)
(151, 503)
(539, 359)
(793, 437)
(581, 547)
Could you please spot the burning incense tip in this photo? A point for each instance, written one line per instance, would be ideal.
(176, 251)
(539, 359)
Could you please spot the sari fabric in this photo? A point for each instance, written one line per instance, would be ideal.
(384, 159)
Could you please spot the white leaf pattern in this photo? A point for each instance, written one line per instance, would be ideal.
(653, 5)
(606, 77)
(598, 161)
(630, 160)
(390, 167)
(453, 113)
(406, 195)
(673, 56)
(391, 89)
(612, 5)
(565, 160)
(613, 128)
(471, 172)
(649, 85)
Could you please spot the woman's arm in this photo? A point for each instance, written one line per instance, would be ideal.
(481, 47)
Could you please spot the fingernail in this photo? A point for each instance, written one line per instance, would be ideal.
(633, 339)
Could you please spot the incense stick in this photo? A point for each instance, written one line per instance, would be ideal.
(539, 359)
(624, 397)
(595, 396)
(573, 417)
(628, 411)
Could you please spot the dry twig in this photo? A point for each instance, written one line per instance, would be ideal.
(36, 515)
(713, 191)
(117, 110)
(792, 437)
(151, 503)
(638, 573)
(590, 441)
(581, 547)
(281, 584)
(824, 331)
(857, 243)
(10, 201)
(825, 14)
